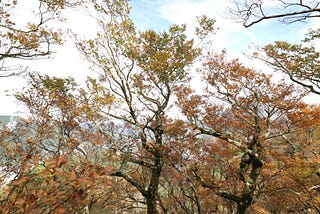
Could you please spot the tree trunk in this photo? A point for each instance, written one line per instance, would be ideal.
(151, 197)
(250, 181)
(152, 192)
(242, 208)
(151, 205)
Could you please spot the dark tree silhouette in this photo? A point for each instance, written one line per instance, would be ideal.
(251, 12)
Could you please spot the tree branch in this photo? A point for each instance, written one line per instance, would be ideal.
(131, 181)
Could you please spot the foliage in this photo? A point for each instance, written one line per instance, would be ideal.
(141, 70)
(52, 172)
(138, 139)
(247, 112)
(300, 62)
(28, 39)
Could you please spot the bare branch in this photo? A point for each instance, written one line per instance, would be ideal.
(253, 12)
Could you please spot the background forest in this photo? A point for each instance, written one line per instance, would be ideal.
(140, 136)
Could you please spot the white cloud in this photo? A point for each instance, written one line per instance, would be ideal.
(230, 34)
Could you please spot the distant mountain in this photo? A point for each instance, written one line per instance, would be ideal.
(7, 120)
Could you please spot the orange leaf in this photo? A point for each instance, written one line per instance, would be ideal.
(60, 211)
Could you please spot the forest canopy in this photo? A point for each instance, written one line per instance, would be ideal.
(138, 137)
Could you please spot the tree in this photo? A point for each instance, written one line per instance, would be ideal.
(254, 11)
(141, 70)
(47, 156)
(27, 39)
(136, 138)
(300, 62)
(244, 112)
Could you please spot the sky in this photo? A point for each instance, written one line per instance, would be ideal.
(157, 15)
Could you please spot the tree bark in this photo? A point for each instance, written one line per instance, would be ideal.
(250, 182)
(151, 205)
(152, 192)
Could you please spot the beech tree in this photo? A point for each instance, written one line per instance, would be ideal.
(27, 39)
(243, 111)
(300, 62)
(48, 156)
(141, 70)
(251, 12)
